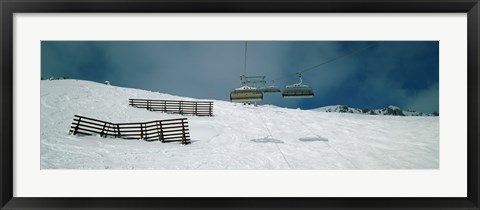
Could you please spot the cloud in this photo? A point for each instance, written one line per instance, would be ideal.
(426, 100)
(71, 59)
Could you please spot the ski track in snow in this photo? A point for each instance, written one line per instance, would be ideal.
(236, 137)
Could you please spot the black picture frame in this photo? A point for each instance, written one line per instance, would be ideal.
(9, 7)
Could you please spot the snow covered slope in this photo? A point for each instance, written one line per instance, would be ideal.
(236, 137)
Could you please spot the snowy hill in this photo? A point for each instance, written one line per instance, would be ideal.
(390, 110)
(236, 137)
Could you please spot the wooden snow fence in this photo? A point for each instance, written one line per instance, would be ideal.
(196, 108)
(169, 130)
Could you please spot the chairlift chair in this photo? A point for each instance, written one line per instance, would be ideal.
(298, 90)
(271, 89)
(246, 94)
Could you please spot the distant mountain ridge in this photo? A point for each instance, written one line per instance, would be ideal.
(390, 110)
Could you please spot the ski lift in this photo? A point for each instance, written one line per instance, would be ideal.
(252, 81)
(298, 90)
(246, 94)
(271, 89)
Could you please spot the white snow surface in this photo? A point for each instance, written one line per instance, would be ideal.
(236, 137)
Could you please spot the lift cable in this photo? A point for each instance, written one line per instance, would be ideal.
(354, 51)
(271, 136)
(245, 64)
(326, 142)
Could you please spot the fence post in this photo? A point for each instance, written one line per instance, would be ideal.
(161, 131)
(210, 108)
(78, 125)
(118, 130)
(184, 140)
(103, 129)
(141, 131)
(114, 130)
(164, 106)
(180, 107)
(131, 102)
(107, 128)
(158, 131)
(111, 126)
(195, 112)
(148, 104)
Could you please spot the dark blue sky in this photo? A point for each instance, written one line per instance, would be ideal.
(372, 75)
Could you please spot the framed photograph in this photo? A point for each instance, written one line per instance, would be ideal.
(239, 105)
